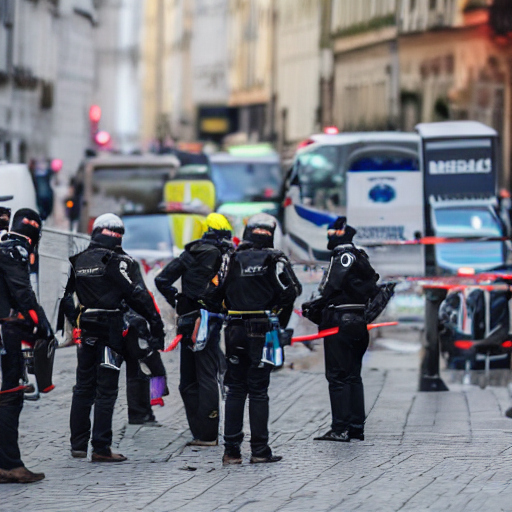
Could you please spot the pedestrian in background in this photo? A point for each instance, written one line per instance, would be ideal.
(20, 314)
(105, 280)
(200, 268)
(260, 280)
(348, 284)
(5, 218)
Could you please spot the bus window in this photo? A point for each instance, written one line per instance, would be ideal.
(384, 163)
(127, 190)
(322, 181)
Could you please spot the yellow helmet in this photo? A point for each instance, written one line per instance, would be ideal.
(217, 222)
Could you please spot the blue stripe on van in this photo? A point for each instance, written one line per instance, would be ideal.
(316, 218)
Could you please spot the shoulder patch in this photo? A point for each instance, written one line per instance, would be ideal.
(347, 259)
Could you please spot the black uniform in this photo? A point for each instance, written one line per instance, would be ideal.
(348, 284)
(104, 278)
(259, 279)
(200, 267)
(16, 298)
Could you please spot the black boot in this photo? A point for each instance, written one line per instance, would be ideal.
(356, 433)
(342, 437)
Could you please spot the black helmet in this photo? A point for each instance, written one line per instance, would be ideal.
(108, 231)
(260, 230)
(27, 223)
(339, 232)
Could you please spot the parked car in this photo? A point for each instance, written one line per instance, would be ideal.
(17, 187)
(474, 327)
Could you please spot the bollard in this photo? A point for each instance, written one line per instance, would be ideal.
(429, 369)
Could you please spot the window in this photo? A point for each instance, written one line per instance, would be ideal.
(246, 181)
(432, 4)
(322, 180)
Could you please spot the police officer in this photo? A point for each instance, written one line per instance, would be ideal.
(200, 267)
(344, 292)
(105, 280)
(259, 279)
(19, 314)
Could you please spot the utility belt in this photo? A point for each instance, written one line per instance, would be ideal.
(355, 308)
(107, 324)
(234, 315)
(264, 326)
(98, 311)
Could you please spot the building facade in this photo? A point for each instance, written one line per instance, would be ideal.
(46, 79)
(298, 70)
(251, 54)
(366, 71)
(117, 88)
(455, 66)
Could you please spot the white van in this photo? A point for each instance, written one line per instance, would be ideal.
(17, 187)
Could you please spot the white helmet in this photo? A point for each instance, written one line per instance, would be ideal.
(109, 221)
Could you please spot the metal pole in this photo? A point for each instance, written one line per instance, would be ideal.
(429, 370)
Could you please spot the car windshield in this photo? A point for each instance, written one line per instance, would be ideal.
(147, 232)
(128, 190)
(246, 181)
(466, 222)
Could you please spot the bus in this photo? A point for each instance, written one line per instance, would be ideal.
(386, 185)
(120, 184)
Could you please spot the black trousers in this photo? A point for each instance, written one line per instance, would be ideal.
(246, 377)
(95, 385)
(199, 382)
(137, 392)
(11, 403)
(343, 360)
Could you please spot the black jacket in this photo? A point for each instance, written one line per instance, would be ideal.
(200, 268)
(16, 292)
(107, 279)
(261, 279)
(350, 279)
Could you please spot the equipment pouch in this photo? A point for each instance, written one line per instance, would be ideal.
(186, 325)
(376, 306)
(257, 327)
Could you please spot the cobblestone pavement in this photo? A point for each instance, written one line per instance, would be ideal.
(424, 451)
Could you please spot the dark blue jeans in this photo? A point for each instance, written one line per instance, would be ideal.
(343, 360)
(246, 377)
(98, 386)
(199, 382)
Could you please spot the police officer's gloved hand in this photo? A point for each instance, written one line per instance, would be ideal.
(156, 341)
(172, 296)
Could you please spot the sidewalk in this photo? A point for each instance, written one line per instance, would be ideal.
(424, 451)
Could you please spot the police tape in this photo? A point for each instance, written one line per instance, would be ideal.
(334, 330)
(174, 343)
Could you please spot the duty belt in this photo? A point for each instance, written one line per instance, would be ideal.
(260, 312)
(97, 310)
(347, 307)
(241, 315)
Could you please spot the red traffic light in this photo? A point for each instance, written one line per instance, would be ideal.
(95, 113)
(102, 138)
